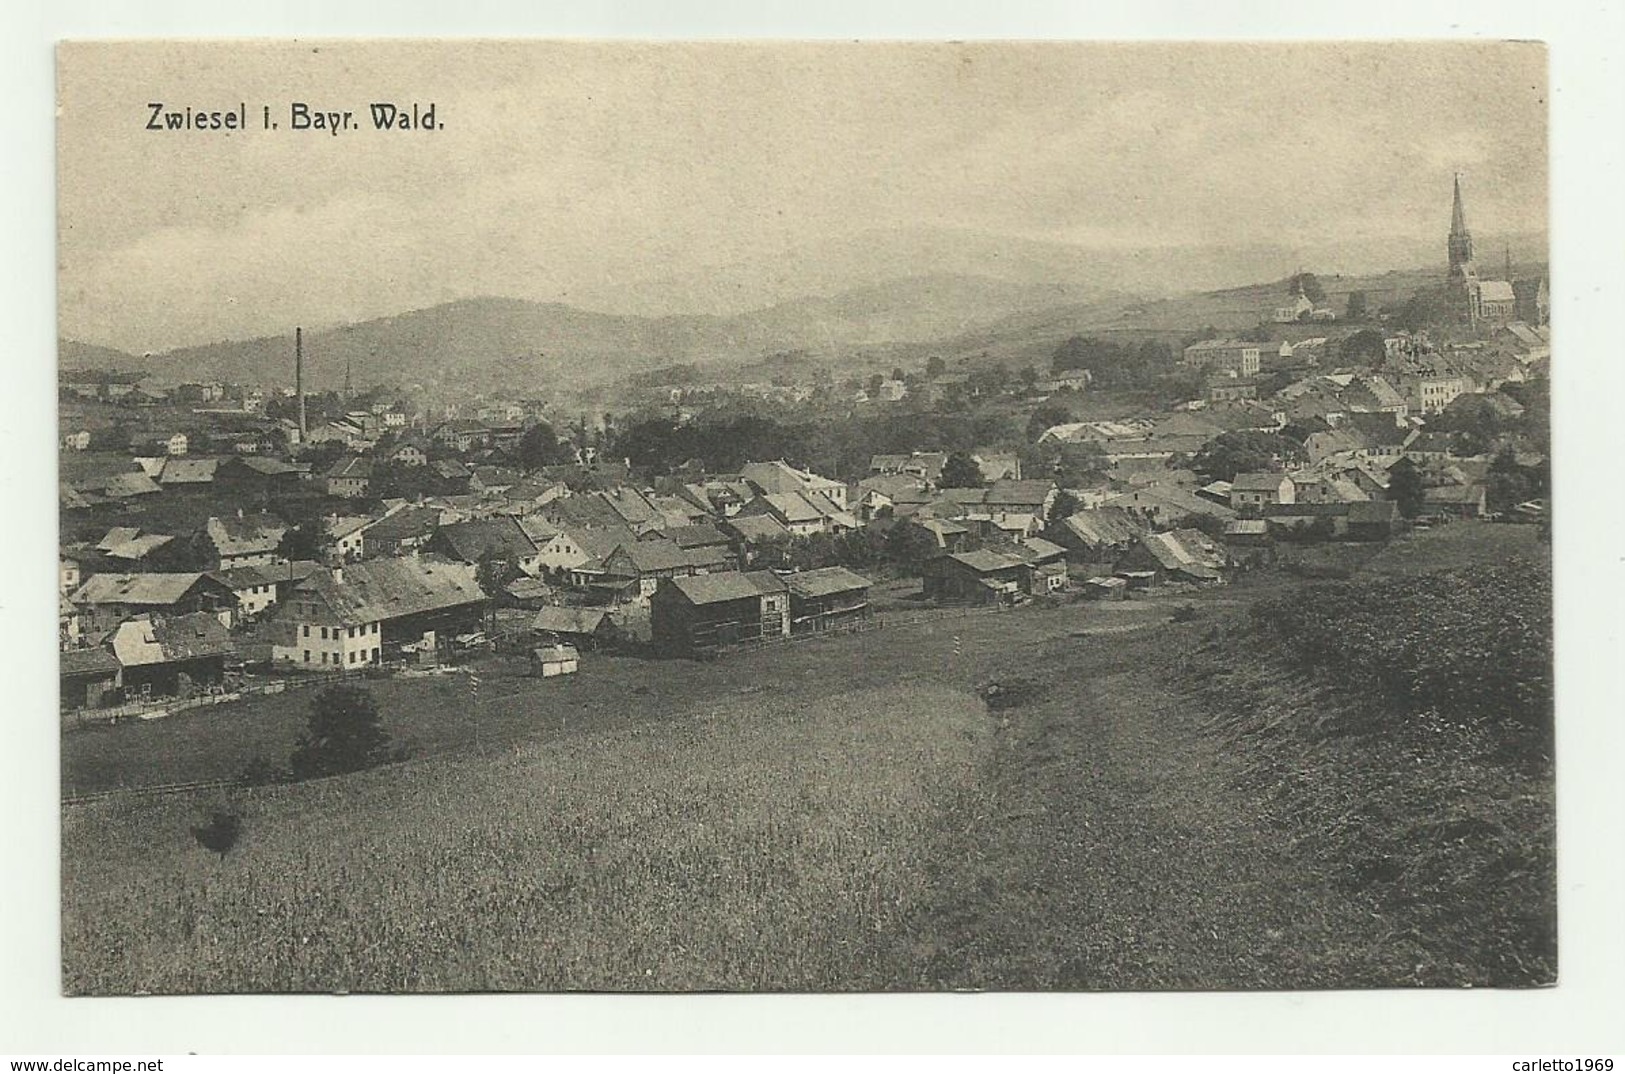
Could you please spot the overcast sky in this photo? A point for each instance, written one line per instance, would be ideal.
(564, 170)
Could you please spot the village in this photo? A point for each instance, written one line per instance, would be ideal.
(217, 536)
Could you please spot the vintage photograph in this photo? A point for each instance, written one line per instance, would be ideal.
(772, 516)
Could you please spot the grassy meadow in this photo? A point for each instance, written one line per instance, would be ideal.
(1169, 793)
(763, 847)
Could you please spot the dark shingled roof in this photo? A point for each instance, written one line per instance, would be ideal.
(88, 662)
(728, 585)
(471, 540)
(557, 620)
(824, 581)
(383, 589)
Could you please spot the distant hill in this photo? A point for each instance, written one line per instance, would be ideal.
(485, 343)
(72, 354)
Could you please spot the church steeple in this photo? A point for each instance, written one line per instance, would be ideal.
(1463, 277)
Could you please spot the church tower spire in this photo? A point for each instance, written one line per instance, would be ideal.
(1463, 278)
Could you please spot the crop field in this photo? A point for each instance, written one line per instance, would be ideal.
(1083, 797)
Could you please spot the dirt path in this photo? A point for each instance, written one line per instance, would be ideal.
(1112, 852)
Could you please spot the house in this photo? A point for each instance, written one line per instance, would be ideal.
(752, 536)
(1253, 491)
(553, 660)
(502, 538)
(244, 541)
(67, 574)
(980, 577)
(1183, 555)
(162, 655)
(78, 440)
(410, 452)
(89, 677)
(997, 465)
(108, 599)
(1102, 587)
(405, 529)
(254, 587)
(1100, 534)
(362, 614)
(584, 628)
(176, 445)
(1454, 501)
(699, 613)
(349, 477)
(1048, 561)
(1021, 497)
(187, 474)
(945, 534)
(769, 478)
(1164, 504)
(345, 535)
(897, 493)
(561, 549)
(801, 513)
(140, 548)
(1235, 356)
(923, 465)
(825, 598)
(1372, 520)
(258, 477)
(70, 630)
(633, 571)
(701, 535)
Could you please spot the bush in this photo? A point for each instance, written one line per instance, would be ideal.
(344, 734)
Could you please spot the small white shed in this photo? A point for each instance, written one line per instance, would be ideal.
(551, 660)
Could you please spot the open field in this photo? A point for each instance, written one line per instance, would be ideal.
(850, 813)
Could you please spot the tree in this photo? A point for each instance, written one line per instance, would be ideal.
(1312, 290)
(1045, 417)
(1229, 454)
(344, 733)
(540, 447)
(961, 472)
(1405, 489)
(1357, 308)
(1364, 347)
(1507, 484)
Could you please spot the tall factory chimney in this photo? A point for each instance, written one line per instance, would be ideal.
(299, 378)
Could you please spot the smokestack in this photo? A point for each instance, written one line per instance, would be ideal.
(299, 378)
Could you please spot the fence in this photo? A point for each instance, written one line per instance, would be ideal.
(860, 626)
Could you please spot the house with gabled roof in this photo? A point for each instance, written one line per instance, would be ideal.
(585, 628)
(104, 600)
(825, 598)
(632, 572)
(362, 614)
(250, 540)
(349, 477)
(701, 613)
(161, 655)
(1183, 555)
(503, 537)
(779, 477)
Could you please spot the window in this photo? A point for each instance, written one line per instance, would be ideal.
(307, 634)
(375, 655)
(352, 656)
(324, 633)
(307, 651)
(324, 657)
(375, 628)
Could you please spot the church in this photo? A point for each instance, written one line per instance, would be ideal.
(1490, 303)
